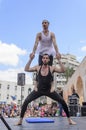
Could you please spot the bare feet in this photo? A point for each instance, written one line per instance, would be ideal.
(71, 122)
(19, 122)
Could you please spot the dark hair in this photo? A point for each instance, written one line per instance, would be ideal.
(45, 54)
(74, 90)
(45, 21)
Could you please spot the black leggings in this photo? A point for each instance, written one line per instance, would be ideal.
(34, 95)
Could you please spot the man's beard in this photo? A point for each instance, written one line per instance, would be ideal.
(45, 64)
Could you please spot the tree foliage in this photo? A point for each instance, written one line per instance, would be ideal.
(69, 72)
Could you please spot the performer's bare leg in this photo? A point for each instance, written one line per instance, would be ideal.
(19, 122)
(71, 122)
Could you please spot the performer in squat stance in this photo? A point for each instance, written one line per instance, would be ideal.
(44, 85)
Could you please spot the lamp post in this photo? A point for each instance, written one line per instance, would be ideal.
(21, 96)
(29, 91)
(55, 75)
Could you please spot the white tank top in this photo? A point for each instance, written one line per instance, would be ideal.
(45, 46)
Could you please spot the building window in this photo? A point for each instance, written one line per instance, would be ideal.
(29, 90)
(22, 88)
(19, 101)
(7, 96)
(0, 95)
(15, 87)
(22, 97)
(0, 86)
(8, 87)
(34, 75)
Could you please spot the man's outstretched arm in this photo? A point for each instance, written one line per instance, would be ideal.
(28, 68)
(35, 45)
(58, 55)
(61, 69)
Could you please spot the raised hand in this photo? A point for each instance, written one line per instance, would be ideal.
(32, 55)
(58, 55)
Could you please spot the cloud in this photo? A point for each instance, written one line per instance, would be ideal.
(9, 54)
(83, 41)
(11, 75)
(83, 48)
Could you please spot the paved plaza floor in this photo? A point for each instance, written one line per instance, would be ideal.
(60, 123)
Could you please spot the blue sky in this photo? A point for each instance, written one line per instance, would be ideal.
(20, 21)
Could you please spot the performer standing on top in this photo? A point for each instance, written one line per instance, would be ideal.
(45, 43)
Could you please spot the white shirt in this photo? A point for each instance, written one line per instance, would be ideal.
(45, 46)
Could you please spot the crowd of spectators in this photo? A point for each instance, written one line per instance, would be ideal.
(35, 110)
(9, 110)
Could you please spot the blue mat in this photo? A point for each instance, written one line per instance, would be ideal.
(39, 120)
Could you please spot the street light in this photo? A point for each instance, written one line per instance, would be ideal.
(55, 75)
(29, 91)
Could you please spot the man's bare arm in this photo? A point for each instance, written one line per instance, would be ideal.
(61, 69)
(58, 55)
(54, 42)
(27, 67)
(36, 43)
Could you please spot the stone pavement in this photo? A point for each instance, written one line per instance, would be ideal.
(60, 123)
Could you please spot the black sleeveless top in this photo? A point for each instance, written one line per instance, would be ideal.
(44, 82)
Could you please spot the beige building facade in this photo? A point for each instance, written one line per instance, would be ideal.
(68, 60)
(78, 82)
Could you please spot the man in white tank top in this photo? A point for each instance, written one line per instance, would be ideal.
(45, 43)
